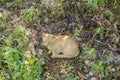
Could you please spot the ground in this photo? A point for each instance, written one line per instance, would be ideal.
(97, 32)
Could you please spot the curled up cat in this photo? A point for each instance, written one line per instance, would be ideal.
(61, 46)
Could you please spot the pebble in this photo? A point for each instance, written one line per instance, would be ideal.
(93, 78)
(91, 73)
(113, 69)
(87, 62)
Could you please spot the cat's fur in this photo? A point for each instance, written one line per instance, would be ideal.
(60, 44)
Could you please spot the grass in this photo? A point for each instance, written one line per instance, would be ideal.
(95, 4)
(100, 31)
(28, 15)
(17, 64)
(101, 67)
(12, 3)
(3, 20)
(77, 33)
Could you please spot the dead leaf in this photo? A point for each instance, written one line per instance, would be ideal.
(81, 75)
(118, 73)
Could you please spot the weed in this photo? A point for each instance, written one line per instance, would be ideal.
(93, 3)
(96, 3)
(19, 31)
(15, 3)
(99, 67)
(106, 1)
(30, 14)
(2, 75)
(3, 1)
(70, 68)
(14, 61)
(106, 14)
(11, 3)
(82, 4)
(77, 33)
(72, 78)
(90, 53)
(100, 31)
(3, 21)
(21, 69)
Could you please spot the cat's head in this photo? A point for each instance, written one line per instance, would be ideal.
(47, 39)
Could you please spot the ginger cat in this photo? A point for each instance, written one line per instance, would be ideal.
(58, 44)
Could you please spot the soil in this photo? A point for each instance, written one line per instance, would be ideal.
(79, 18)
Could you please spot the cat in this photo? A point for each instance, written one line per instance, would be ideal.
(61, 46)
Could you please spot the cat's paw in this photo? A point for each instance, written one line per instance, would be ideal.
(49, 52)
(53, 56)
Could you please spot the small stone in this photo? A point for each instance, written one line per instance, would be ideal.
(113, 69)
(40, 51)
(63, 71)
(87, 75)
(46, 20)
(93, 78)
(43, 62)
(91, 73)
(87, 62)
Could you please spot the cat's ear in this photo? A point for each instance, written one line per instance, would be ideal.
(43, 34)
